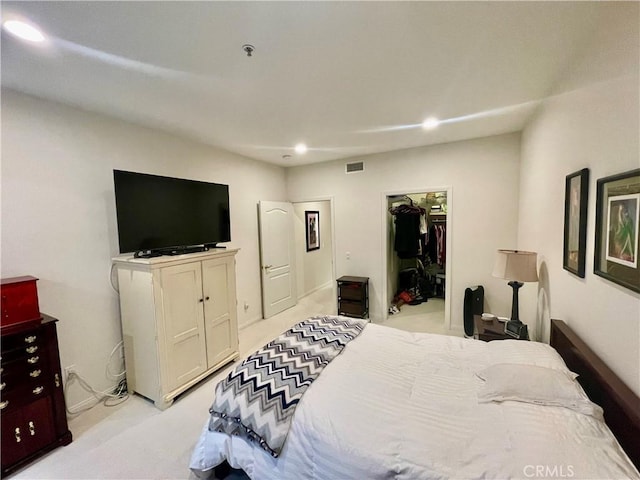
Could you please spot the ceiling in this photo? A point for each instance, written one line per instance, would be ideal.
(345, 78)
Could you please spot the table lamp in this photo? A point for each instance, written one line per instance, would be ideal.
(518, 267)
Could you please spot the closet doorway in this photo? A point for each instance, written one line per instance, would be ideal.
(416, 269)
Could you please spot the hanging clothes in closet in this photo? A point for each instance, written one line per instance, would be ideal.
(437, 242)
(410, 224)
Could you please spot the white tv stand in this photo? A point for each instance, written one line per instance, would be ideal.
(179, 320)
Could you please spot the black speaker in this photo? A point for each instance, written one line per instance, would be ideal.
(473, 305)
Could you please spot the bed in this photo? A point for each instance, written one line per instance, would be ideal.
(400, 405)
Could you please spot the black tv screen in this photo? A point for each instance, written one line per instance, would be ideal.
(156, 213)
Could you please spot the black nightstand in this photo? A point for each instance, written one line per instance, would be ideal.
(489, 331)
(353, 296)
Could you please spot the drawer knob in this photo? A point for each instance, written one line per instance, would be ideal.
(32, 429)
(4, 404)
(17, 434)
(30, 339)
(32, 349)
(38, 390)
(35, 373)
(33, 360)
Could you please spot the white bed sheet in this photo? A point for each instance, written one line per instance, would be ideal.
(403, 405)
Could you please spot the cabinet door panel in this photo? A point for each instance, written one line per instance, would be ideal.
(220, 342)
(13, 438)
(38, 424)
(219, 286)
(26, 430)
(182, 302)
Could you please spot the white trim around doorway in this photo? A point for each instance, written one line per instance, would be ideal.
(330, 199)
(385, 247)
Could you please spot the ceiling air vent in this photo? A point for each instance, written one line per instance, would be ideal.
(354, 167)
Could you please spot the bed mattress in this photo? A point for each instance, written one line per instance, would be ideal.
(405, 405)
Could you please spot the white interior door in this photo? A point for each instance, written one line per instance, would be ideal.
(277, 257)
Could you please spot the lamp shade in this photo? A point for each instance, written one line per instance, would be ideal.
(516, 265)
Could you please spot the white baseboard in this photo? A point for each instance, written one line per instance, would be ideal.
(249, 323)
(91, 401)
(313, 290)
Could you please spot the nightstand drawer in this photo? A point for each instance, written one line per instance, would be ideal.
(351, 291)
(351, 308)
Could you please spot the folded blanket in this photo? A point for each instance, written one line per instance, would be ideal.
(258, 398)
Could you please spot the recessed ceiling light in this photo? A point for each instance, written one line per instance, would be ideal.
(430, 123)
(23, 30)
(301, 148)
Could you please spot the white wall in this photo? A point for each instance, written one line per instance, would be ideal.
(592, 121)
(314, 269)
(483, 175)
(59, 222)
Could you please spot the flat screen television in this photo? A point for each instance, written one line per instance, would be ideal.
(163, 215)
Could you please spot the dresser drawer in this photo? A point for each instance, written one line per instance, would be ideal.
(21, 340)
(29, 355)
(22, 371)
(23, 394)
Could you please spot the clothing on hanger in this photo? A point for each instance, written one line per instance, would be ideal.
(408, 220)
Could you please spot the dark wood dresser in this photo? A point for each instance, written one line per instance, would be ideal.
(33, 416)
(353, 296)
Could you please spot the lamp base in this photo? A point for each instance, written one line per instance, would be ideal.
(514, 304)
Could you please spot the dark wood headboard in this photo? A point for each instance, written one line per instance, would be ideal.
(621, 406)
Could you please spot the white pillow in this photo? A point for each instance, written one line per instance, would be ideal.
(528, 353)
(536, 385)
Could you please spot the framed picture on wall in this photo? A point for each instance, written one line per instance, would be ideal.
(576, 196)
(312, 221)
(617, 229)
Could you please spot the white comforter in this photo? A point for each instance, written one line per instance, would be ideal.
(399, 405)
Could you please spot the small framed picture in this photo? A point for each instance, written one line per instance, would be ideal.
(576, 196)
(617, 231)
(313, 230)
